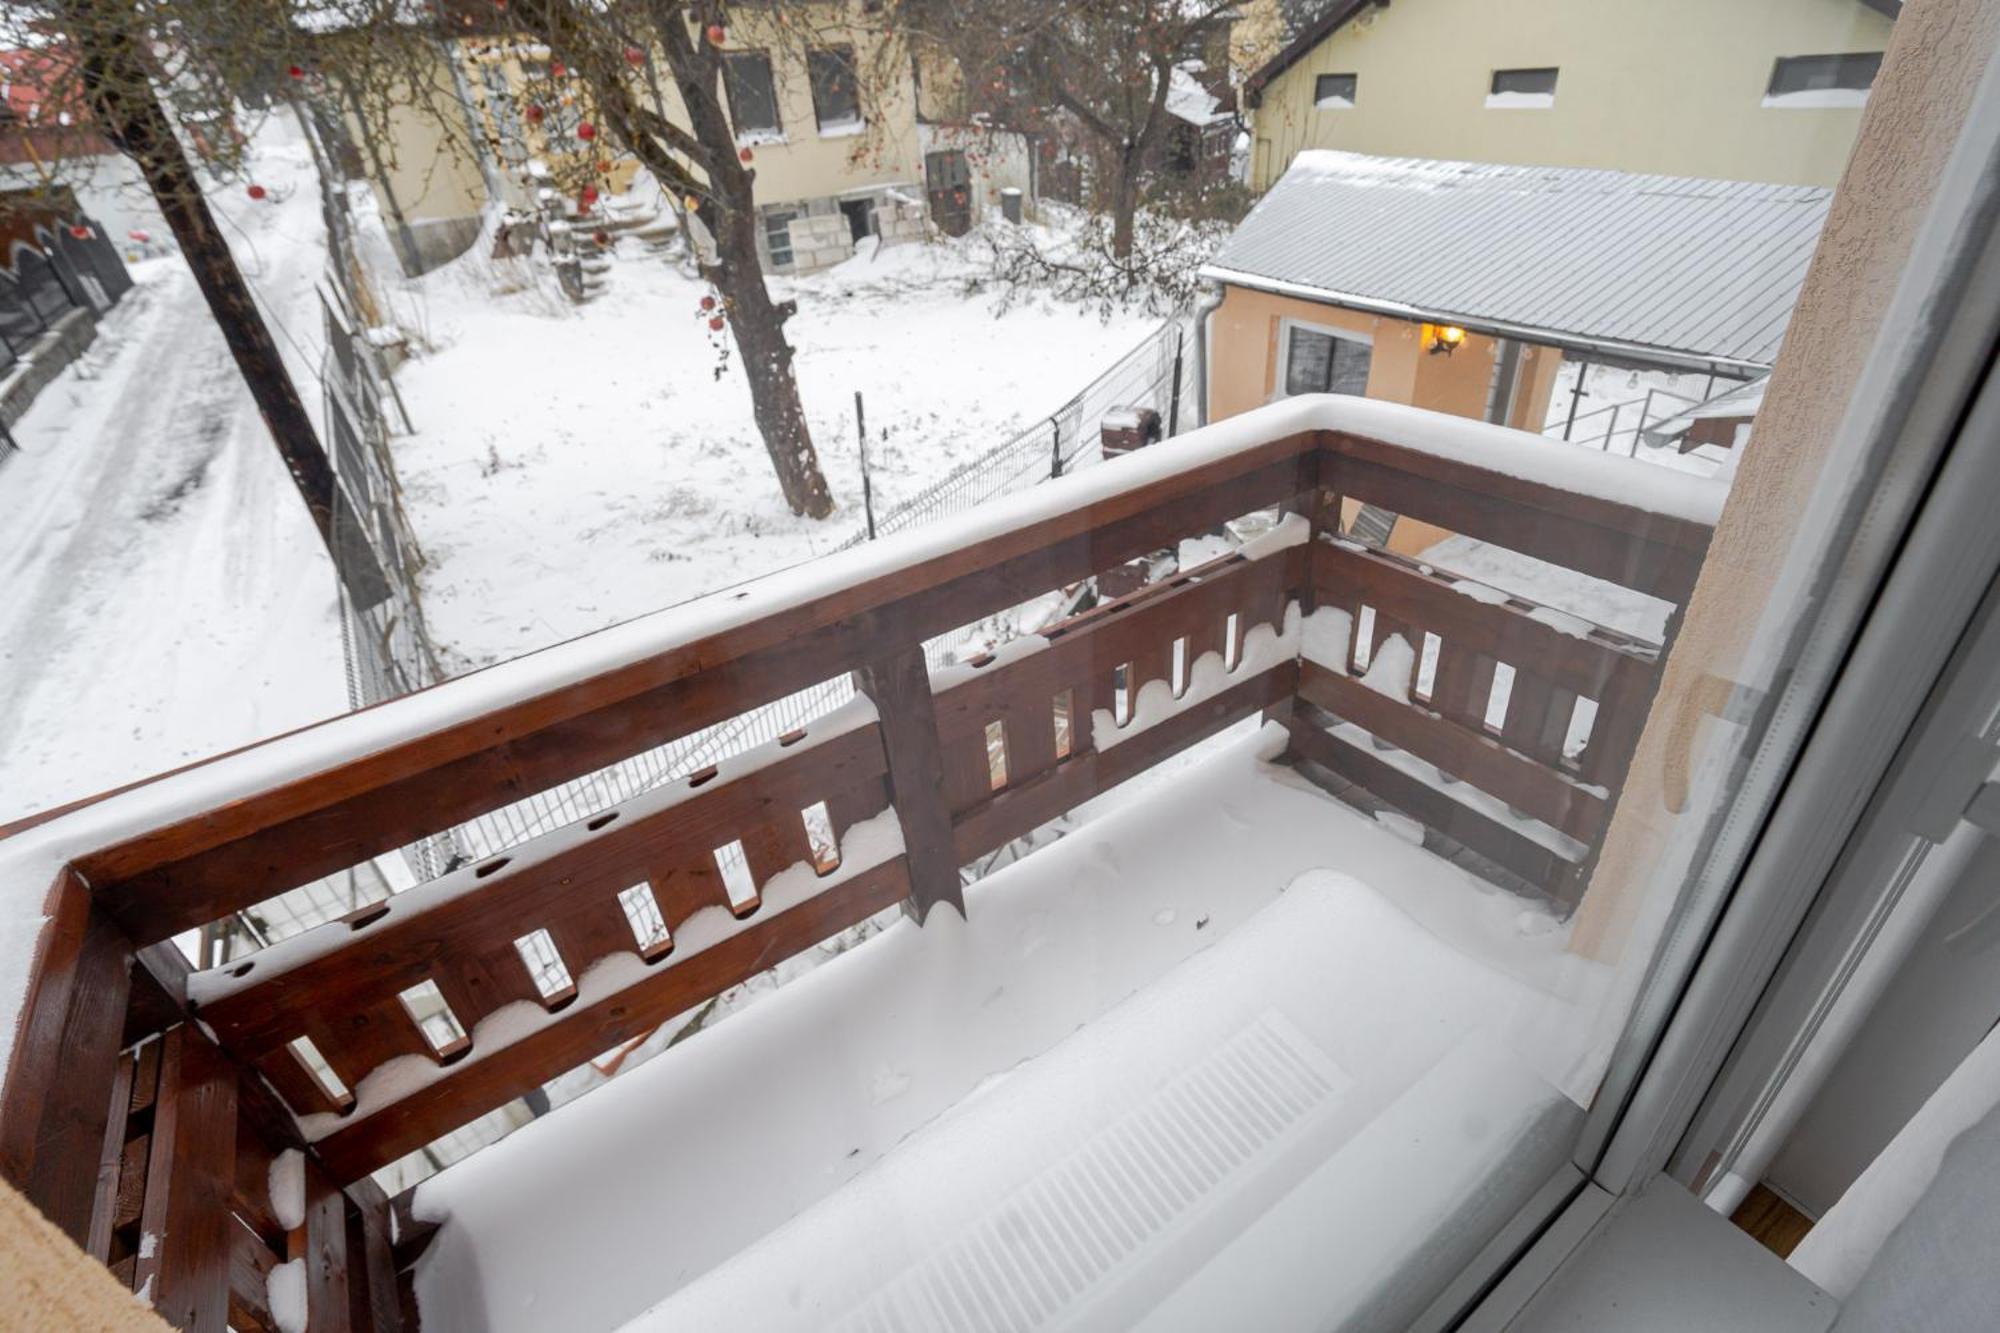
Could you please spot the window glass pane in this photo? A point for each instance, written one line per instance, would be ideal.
(1309, 362)
(778, 237)
(1350, 366)
(1854, 72)
(1525, 81)
(1334, 90)
(836, 96)
(753, 100)
(1321, 363)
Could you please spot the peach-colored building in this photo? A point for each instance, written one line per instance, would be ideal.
(1465, 287)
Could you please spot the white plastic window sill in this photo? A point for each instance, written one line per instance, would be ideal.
(1334, 104)
(759, 138)
(1520, 101)
(1818, 99)
(843, 129)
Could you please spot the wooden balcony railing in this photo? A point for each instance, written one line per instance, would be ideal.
(144, 1107)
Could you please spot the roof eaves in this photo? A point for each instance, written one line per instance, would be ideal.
(1301, 46)
(1611, 348)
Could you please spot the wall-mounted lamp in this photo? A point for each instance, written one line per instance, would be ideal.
(1444, 338)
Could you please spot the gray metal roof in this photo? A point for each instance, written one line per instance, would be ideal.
(1660, 268)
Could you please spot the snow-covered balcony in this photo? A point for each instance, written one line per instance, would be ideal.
(1298, 977)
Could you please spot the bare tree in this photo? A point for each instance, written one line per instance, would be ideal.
(1106, 65)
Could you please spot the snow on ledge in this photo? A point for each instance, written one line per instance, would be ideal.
(30, 861)
(872, 842)
(1263, 648)
(289, 954)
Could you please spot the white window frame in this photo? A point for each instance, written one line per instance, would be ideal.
(1287, 323)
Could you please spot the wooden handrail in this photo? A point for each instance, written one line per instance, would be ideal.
(945, 768)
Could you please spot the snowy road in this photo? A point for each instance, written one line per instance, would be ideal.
(165, 596)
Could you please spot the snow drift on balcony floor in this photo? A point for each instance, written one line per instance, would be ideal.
(1170, 1065)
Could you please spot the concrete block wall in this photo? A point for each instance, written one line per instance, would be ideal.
(899, 218)
(820, 241)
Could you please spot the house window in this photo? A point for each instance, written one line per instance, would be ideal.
(1522, 88)
(835, 90)
(753, 98)
(1834, 80)
(1317, 361)
(778, 236)
(1332, 92)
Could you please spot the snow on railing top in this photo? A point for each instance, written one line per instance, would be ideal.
(31, 859)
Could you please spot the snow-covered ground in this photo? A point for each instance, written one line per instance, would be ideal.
(1605, 387)
(573, 467)
(166, 595)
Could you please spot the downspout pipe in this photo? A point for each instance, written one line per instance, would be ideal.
(1207, 304)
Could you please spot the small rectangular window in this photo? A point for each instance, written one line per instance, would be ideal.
(1333, 91)
(753, 98)
(836, 92)
(778, 236)
(1829, 80)
(1321, 363)
(1522, 88)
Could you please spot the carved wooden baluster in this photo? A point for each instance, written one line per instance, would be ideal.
(776, 846)
(851, 805)
(362, 1039)
(1463, 684)
(298, 1085)
(1154, 661)
(1538, 714)
(1031, 740)
(474, 983)
(588, 930)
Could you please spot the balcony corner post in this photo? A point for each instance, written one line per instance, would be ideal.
(900, 688)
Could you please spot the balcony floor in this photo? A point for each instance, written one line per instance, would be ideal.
(1172, 1063)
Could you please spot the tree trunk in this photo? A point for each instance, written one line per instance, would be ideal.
(121, 97)
(1124, 204)
(759, 330)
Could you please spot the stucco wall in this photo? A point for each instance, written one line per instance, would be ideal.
(1940, 49)
(1244, 354)
(1673, 88)
(428, 167)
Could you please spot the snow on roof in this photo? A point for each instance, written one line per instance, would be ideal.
(1676, 270)
(1188, 100)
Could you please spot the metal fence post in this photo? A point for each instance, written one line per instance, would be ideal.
(1174, 400)
(1055, 448)
(861, 438)
(1612, 429)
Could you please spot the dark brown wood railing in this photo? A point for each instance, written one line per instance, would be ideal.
(123, 1118)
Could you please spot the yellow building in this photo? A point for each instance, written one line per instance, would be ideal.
(1760, 90)
(829, 114)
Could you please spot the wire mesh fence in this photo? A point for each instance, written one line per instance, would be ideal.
(1151, 375)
